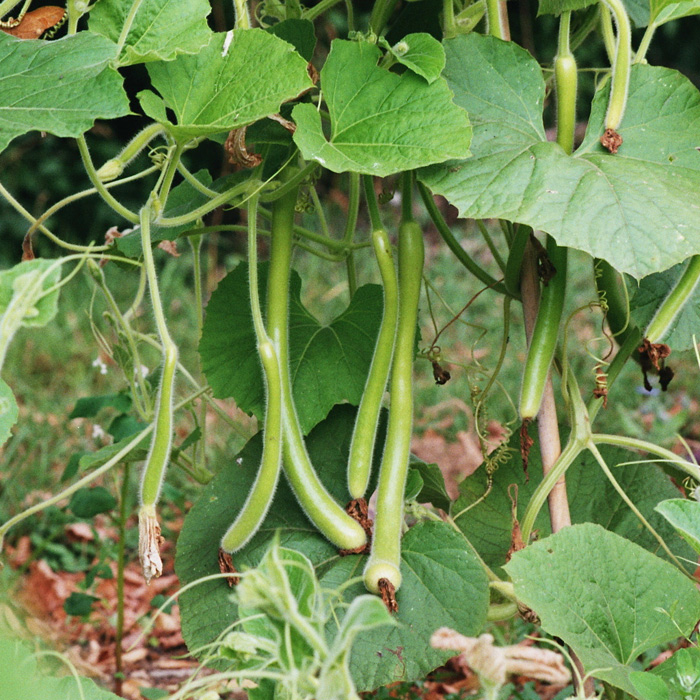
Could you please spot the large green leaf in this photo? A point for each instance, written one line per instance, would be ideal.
(422, 53)
(24, 300)
(681, 673)
(226, 85)
(636, 209)
(57, 86)
(684, 515)
(381, 123)
(647, 295)
(443, 581)
(663, 11)
(328, 364)
(9, 411)
(443, 585)
(160, 30)
(21, 678)
(606, 597)
(592, 498)
(556, 7)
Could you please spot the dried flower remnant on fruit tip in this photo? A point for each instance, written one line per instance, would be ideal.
(150, 540)
(388, 595)
(358, 510)
(611, 140)
(226, 566)
(494, 664)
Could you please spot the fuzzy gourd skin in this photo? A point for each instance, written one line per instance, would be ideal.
(385, 557)
(320, 507)
(545, 334)
(260, 497)
(365, 431)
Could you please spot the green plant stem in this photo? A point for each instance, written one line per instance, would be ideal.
(606, 470)
(337, 246)
(514, 263)
(470, 16)
(669, 309)
(318, 207)
(453, 244)
(491, 245)
(350, 226)
(200, 187)
(241, 190)
(126, 27)
(371, 199)
(121, 566)
(449, 27)
(317, 503)
(242, 15)
(7, 6)
(380, 15)
(573, 448)
(644, 44)
(138, 297)
(254, 510)
(36, 223)
(504, 348)
(621, 65)
(200, 447)
(351, 15)
(497, 19)
(587, 25)
(385, 557)
(169, 171)
(311, 13)
(630, 443)
(290, 185)
(99, 185)
(140, 396)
